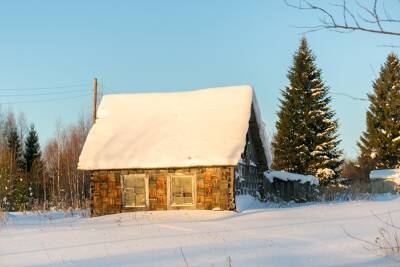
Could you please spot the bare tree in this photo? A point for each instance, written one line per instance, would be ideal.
(343, 16)
(54, 180)
(50, 160)
(22, 126)
(69, 187)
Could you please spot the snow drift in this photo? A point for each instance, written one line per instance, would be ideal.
(386, 174)
(293, 177)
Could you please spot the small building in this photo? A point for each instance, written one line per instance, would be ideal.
(287, 186)
(179, 150)
(385, 181)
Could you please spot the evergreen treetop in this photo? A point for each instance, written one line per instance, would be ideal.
(14, 145)
(381, 140)
(32, 148)
(306, 141)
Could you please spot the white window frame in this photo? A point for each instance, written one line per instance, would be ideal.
(169, 192)
(146, 192)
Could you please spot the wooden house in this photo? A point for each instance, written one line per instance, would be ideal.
(180, 150)
(385, 181)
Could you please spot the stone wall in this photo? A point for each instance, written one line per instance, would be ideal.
(214, 189)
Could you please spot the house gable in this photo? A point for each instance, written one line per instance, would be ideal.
(254, 159)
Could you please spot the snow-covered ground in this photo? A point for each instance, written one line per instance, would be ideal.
(302, 235)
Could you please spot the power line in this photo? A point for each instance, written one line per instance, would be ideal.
(350, 96)
(45, 100)
(108, 88)
(41, 94)
(87, 84)
(45, 88)
(334, 93)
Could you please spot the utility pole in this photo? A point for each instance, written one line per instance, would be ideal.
(94, 99)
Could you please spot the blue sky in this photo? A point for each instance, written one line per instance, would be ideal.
(142, 46)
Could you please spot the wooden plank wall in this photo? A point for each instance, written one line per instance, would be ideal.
(214, 189)
(289, 191)
(249, 171)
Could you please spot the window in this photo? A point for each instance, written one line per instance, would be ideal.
(182, 190)
(134, 190)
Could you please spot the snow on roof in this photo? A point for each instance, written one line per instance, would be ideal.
(288, 176)
(385, 174)
(181, 129)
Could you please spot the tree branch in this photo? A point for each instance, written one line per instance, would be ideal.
(374, 22)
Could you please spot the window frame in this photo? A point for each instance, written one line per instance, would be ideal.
(146, 190)
(169, 191)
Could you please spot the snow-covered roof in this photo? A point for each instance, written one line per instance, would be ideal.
(288, 176)
(180, 129)
(385, 174)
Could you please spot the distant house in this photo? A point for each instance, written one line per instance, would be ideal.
(181, 150)
(385, 180)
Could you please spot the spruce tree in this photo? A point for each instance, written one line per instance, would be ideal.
(306, 141)
(32, 162)
(32, 148)
(20, 193)
(381, 140)
(18, 197)
(14, 145)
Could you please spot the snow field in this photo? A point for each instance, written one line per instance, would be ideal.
(298, 235)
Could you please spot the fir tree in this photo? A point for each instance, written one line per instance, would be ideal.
(18, 195)
(33, 163)
(306, 141)
(14, 145)
(32, 148)
(381, 140)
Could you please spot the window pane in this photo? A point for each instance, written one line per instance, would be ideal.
(129, 197)
(182, 190)
(141, 199)
(134, 191)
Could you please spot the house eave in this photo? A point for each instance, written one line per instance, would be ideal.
(158, 168)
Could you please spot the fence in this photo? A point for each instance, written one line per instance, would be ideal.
(280, 190)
